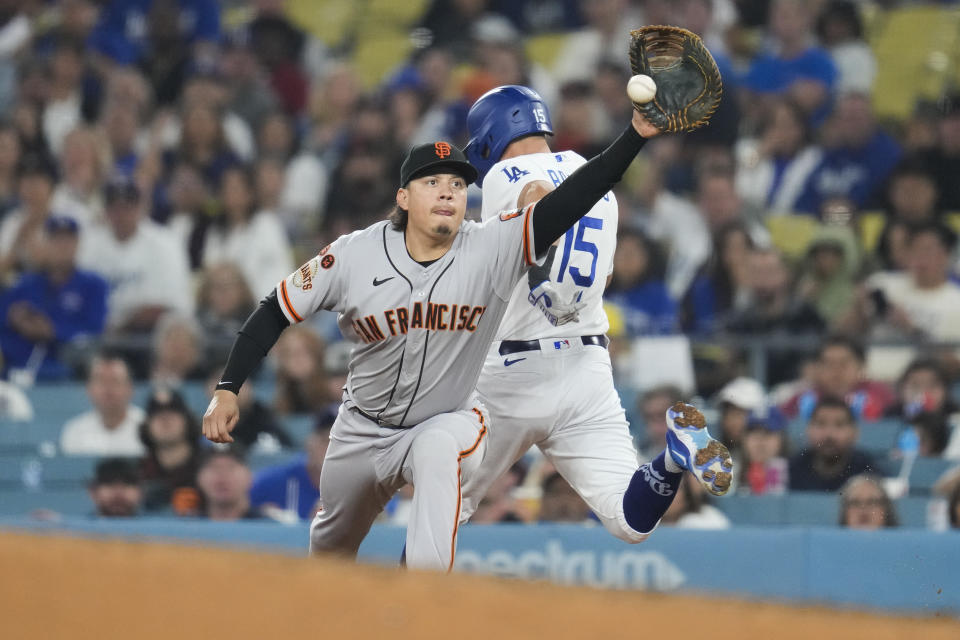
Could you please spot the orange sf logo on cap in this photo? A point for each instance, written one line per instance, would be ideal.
(442, 149)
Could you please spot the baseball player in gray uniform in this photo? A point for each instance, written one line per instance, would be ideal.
(421, 295)
(551, 343)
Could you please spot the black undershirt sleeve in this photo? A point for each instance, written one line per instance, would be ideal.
(255, 339)
(574, 197)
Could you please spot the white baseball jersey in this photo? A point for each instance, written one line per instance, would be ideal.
(583, 257)
(558, 394)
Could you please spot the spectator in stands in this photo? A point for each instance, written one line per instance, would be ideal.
(223, 302)
(115, 489)
(638, 287)
(653, 407)
(207, 88)
(9, 161)
(840, 373)
(22, 228)
(946, 158)
(62, 111)
(672, 221)
(773, 309)
(912, 192)
(171, 435)
(737, 401)
(86, 163)
(225, 480)
(144, 264)
(189, 210)
(606, 36)
(258, 426)
(249, 94)
(499, 503)
(763, 465)
(560, 503)
(933, 432)
(856, 161)
(920, 303)
(203, 143)
(923, 387)
(279, 44)
(120, 120)
(122, 36)
(865, 505)
(791, 66)
(177, 351)
(721, 206)
(689, 509)
(773, 168)
(891, 251)
(830, 457)
(110, 429)
(953, 508)
(48, 309)
(831, 267)
(300, 383)
(333, 103)
(294, 487)
(254, 240)
(722, 284)
(304, 179)
(840, 30)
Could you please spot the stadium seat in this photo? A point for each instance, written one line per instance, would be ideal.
(880, 435)
(299, 427)
(56, 472)
(68, 502)
(792, 234)
(926, 472)
(807, 508)
(920, 70)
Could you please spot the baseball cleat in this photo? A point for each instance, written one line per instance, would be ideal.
(691, 446)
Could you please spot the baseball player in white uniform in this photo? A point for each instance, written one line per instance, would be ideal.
(421, 295)
(547, 379)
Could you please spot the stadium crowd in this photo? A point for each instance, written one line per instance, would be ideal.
(164, 163)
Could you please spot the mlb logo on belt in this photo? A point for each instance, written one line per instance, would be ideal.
(561, 344)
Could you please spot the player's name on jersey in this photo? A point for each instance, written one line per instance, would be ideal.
(436, 317)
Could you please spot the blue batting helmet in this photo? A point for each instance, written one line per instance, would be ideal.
(498, 118)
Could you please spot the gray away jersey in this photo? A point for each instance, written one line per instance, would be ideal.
(422, 332)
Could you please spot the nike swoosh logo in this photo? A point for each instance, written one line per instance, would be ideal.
(507, 363)
(377, 283)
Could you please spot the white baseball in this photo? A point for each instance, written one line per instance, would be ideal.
(641, 89)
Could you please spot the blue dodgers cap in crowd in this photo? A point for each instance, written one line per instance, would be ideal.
(771, 419)
(61, 224)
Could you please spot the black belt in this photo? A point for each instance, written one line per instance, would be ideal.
(516, 346)
(376, 421)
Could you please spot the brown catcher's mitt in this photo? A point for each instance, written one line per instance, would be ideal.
(688, 81)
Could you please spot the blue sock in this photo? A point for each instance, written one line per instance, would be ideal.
(649, 494)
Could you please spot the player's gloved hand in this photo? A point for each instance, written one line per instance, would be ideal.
(545, 297)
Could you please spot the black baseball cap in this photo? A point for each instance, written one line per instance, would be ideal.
(434, 155)
(115, 471)
(163, 399)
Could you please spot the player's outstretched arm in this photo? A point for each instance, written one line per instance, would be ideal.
(574, 197)
(255, 339)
